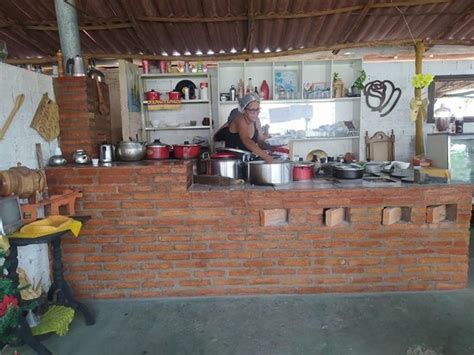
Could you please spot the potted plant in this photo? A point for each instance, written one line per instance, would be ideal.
(358, 85)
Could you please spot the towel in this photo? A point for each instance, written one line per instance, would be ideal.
(49, 225)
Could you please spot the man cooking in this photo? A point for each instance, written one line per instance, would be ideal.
(243, 129)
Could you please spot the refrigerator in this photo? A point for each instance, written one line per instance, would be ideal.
(454, 152)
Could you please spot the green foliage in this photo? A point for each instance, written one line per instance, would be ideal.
(420, 81)
(56, 319)
(335, 77)
(359, 83)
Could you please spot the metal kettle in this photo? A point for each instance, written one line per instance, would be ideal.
(75, 66)
(106, 153)
(81, 157)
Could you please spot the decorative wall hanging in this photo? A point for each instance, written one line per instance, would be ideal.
(381, 95)
(46, 119)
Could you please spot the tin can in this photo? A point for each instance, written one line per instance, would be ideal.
(145, 66)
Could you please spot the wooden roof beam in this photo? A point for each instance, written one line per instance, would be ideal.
(250, 26)
(356, 24)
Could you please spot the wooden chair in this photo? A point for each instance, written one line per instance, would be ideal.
(380, 147)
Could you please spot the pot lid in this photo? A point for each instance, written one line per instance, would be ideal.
(156, 143)
(224, 155)
(187, 145)
(233, 150)
(348, 167)
(303, 164)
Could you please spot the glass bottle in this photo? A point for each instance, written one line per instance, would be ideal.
(255, 90)
(249, 87)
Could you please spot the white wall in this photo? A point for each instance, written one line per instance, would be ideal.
(400, 74)
(18, 145)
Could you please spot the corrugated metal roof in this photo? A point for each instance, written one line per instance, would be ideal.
(117, 28)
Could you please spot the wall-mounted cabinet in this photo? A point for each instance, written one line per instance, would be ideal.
(177, 121)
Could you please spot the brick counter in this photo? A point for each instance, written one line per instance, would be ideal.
(151, 237)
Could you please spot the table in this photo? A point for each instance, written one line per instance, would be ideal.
(59, 290)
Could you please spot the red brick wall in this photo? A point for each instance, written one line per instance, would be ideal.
(82, 125)
(149, 237)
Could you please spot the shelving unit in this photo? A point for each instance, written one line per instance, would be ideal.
(178, 119)
(306, 79)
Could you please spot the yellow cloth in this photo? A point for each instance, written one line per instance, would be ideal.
(4, 243)
(49, 225)
(418, 105)
(438, 172)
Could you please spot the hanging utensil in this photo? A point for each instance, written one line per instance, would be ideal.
(18, 102)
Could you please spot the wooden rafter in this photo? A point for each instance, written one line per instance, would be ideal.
(91, 25)
(250, 26)
(138, 31)
(357, 23)
(244, 56)
(461, 19)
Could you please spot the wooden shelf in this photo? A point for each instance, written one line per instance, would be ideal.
(298, 101)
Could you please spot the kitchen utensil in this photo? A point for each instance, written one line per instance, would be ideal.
(224, 164)
(106, 153)
(157, 150)
(57, 160)
(261, 173)
(174, 95)
(75, 66)
(186, 151)
(93, 73)
(130, 151)
(348, 171)
(81, 157)
(18, 102)
(185, 83)
(303, 171)
(152, 95)
(375, 167)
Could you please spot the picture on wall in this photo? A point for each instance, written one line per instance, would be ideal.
(286, 84)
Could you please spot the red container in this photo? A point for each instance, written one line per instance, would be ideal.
(224, 155)
(174, 95)
(157, 150)
(152, 95)
(303, 171)
(187, 151)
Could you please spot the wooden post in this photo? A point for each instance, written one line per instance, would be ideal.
(419, 145)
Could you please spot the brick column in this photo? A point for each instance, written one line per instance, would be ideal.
(82, 125)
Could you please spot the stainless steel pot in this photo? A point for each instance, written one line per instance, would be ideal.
(233, 168)
(276, 173)
(130, 151)
(348, 171)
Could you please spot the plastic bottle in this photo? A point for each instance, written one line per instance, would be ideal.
(240, 89)
(264, 91)
(249, 87)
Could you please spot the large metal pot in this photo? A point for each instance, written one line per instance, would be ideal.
(277, 173)
(348, 171)
(130, 151)
(233, 168)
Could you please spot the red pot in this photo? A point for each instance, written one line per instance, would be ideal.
(187, 151)
(157, 150)
(174, 95)
(303, 171)
(152, 95)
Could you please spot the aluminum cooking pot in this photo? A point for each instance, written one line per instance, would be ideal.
(224, 164)
(277, 173)
(130, 151)
(348, 171)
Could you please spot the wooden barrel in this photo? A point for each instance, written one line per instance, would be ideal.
(21, 181)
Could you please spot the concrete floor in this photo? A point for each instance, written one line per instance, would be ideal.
(422, 323)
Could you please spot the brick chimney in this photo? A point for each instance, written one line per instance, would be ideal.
(84, 114)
